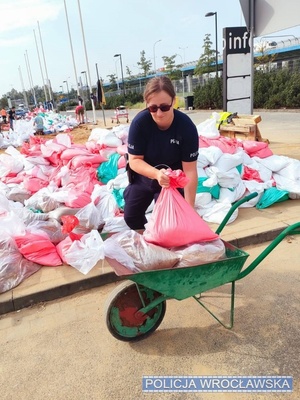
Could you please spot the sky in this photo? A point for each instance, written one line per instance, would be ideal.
(158, 27)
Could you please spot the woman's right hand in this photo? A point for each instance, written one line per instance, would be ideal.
(162, 178)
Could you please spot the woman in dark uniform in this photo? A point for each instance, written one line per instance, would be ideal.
(159, 137)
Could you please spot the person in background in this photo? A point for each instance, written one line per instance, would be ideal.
(11, 117)
(38, 124)
(3, 115)
(80, 100)
(159, 137)
(79, 112)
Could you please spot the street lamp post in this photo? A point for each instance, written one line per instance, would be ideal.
(117, 75)
(154, 61)
(119, 55)
(66, 82)
(62, 89)
(183, 49)
(182, 75)
(210, 14)
(86, 82)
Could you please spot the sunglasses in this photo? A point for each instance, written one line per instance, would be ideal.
(163, 108)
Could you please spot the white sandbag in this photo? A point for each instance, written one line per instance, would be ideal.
(105, 137)
(121, 131)
(202, 161)
(200, 253)
(228, 161)
(254, 186)
(51, 227)
(84, 254)
(285, 183)
(119, 182)
(114, 224)
(14, 268)
(97, 133)
(204, 207)
(247, 160)
(264, 172)
(10, 165)
(43, 200)
(16, 192)
(292, 170)
(62, 210)
(208, 128)
(107, 205)
(232, 195)
(202, 199)
(218, 212)
(211, 154)
(146, 256)
(274, 163)
(102, 207)
(201, 172)
(11, 224)
(229, 179)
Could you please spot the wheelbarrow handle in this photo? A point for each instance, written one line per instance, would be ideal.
(290, 230)
(233, 208)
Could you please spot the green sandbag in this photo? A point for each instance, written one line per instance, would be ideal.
(119, 197)
(214, 190)
(108, 169)
(271, 196)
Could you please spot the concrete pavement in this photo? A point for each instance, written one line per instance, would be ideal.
(62, 349)
(252, 226)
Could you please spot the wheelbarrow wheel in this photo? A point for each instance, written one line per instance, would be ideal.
(122, 319)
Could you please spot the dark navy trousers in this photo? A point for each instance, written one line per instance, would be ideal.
(138, 196)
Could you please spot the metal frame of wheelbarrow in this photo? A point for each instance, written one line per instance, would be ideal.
(143, 307)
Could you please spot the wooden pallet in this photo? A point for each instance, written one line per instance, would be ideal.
(244, 127)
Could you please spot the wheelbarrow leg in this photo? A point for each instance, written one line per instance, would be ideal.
(231, 308)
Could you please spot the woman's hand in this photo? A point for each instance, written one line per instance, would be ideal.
(162, 178)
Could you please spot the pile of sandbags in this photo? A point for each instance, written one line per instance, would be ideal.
(50, 179)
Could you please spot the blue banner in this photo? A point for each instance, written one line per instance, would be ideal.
(217, 384)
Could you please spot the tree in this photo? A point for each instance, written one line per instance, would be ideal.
(206, 61)
(265, 59)
(113, 81)
(144, 65)
(170, 67)
(129, 73)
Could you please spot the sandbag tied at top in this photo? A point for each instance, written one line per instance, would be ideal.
(173, 221)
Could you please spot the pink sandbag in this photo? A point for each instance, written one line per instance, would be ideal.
(63, 247)
(123, 149)
(257, 149)
(227, 145)
(122, 162)
(250, 174)
(173, 221)
(38, 248)
(33, 184)
(74, 151)
(77, 199)
(93, 160)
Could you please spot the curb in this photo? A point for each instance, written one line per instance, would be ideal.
(61, 291)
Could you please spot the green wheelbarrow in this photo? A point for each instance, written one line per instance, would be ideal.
(135, 308)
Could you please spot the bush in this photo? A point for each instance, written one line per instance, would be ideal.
(273, 90)
(209, 95)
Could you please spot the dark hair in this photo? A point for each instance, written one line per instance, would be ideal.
(159, 84)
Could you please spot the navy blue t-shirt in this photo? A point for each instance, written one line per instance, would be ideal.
(178, 143)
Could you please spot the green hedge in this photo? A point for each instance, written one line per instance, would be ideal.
(272, 90)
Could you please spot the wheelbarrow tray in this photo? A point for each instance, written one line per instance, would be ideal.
(181, 283)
